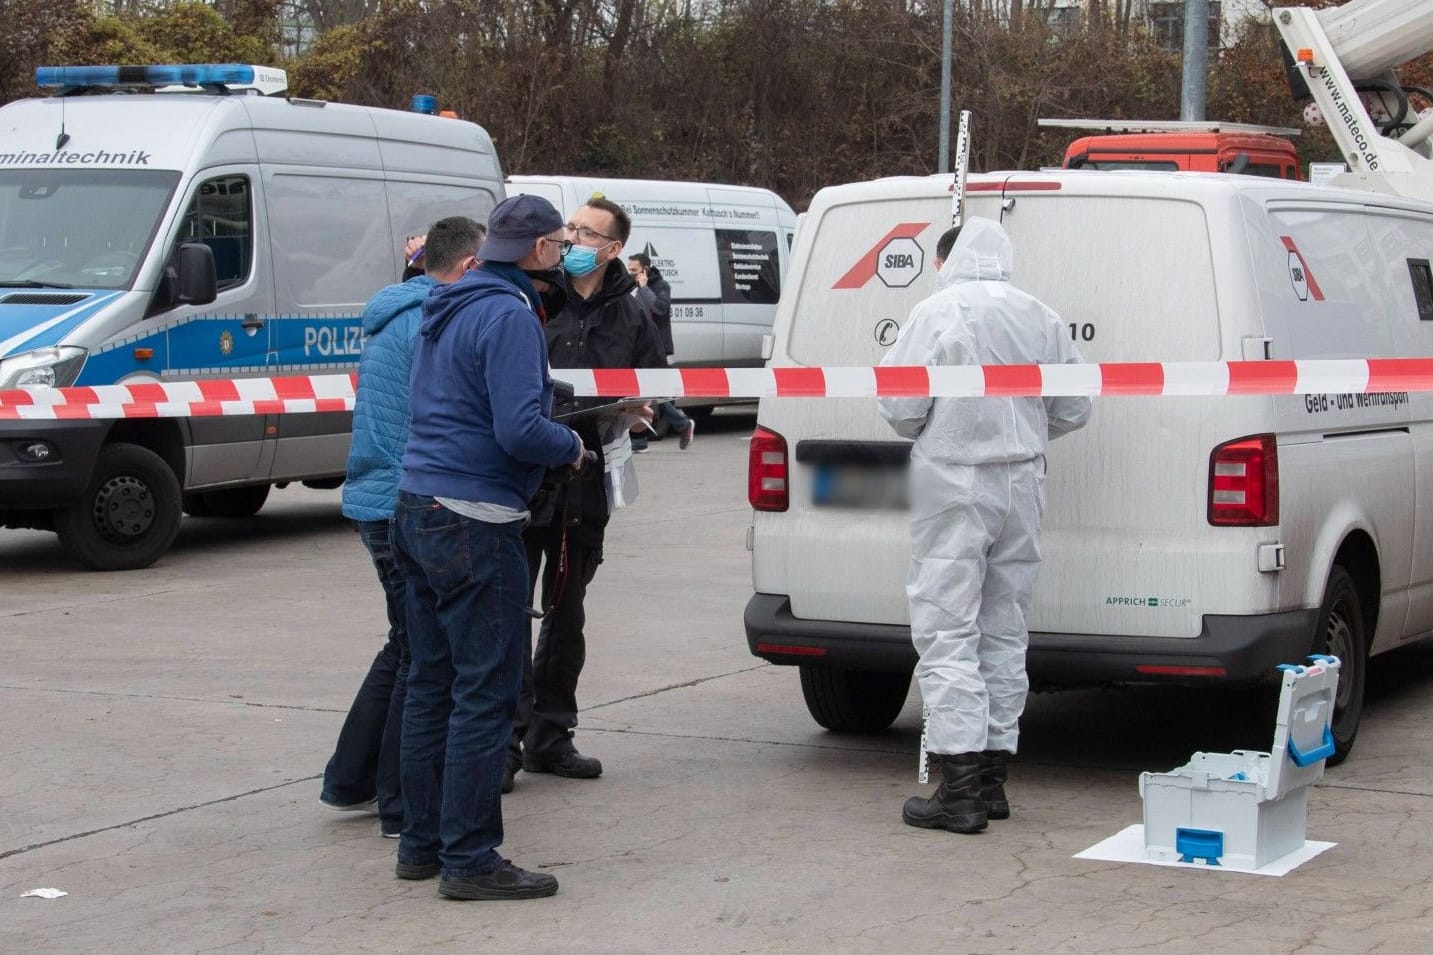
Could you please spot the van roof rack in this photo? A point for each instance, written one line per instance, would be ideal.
(216, 78)
(1165, 126)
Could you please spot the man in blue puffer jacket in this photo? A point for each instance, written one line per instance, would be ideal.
(363, 772)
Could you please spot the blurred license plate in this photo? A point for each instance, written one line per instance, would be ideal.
(857, 486)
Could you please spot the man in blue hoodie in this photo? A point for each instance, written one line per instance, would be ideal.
(363, 772)
(480, 440)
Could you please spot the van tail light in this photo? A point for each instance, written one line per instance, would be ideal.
(1244, 483)
(767, 476)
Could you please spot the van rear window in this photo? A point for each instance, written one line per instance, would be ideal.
(1132, 279)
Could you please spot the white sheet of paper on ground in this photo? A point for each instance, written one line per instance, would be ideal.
(43, 894)
(1127, 845)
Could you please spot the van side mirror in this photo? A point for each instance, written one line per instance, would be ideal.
(189, 279)
(198, 282)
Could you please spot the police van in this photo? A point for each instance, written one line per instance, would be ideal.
(723, 249)
(205, 231)
(1192, 540)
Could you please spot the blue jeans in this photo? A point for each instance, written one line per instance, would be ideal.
(365, 759)
(669, 412)
(467, 628)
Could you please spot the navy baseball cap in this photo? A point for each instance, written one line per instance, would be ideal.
(513, 226)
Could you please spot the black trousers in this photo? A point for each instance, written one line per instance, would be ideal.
(547, 705)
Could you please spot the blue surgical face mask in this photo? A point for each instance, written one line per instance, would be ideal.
(580, 260)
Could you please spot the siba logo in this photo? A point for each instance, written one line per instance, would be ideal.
(897, 259)
(1299, 274)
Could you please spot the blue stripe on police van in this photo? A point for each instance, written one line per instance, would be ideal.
(320, 341)
(51, 330)
(208, 346)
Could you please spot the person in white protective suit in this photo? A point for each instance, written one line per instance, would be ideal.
(977, 480)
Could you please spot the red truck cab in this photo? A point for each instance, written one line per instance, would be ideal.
(1191, 147)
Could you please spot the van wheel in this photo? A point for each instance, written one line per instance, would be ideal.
(853, 701)
(128, 515)
(1341, 633)
(235, 502)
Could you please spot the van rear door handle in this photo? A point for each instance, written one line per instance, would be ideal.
(251, 323)
(1257, 349)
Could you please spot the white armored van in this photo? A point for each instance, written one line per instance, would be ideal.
(289, 215)
(723, 249)
(1187, 540)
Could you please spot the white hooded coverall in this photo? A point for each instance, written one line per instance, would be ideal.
(977, 489)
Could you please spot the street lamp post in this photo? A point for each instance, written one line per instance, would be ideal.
(942, 164)
(1196, 61)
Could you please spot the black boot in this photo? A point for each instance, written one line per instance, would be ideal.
(956, 805)
(992, 783)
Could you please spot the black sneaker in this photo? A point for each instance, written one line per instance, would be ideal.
(417, 870)
(507, 881)
(369, 805)
(571, 764)
(510, 770)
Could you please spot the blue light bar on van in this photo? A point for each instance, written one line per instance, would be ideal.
(181, 74)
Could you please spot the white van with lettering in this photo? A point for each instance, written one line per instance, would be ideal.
(1187, 540)
(723, 249)
(191, 235)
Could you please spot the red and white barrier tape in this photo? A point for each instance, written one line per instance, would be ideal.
(294, 395)
(183, 399)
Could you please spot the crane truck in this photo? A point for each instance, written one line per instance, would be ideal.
(1342, 60)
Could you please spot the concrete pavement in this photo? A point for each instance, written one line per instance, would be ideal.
(163, 732)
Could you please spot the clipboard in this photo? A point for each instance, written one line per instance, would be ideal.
(611, 407)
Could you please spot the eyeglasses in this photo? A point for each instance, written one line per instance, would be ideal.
(563, 245)
(585, 234)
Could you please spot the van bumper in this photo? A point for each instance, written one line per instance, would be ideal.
(1229, 649)
(59, 476)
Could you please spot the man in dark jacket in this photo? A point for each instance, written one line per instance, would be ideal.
(480, 440)
(650, 277)
(602, 326)
(365, 759)
(656, 295)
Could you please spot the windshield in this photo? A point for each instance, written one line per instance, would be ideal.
(82, 228)
(1161, 165)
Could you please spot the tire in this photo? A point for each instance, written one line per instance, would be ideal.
(1341, 632)
(235, 502)
(853, 701)
(129, 513)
